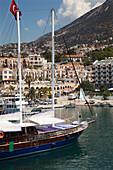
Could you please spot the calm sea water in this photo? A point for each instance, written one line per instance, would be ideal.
(93, 150)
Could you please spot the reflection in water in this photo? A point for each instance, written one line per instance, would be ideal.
(93, 150)
(48, 160)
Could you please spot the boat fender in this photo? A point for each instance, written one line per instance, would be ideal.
(1, 135)
(53, 144)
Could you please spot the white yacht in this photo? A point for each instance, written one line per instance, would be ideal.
(13, 102)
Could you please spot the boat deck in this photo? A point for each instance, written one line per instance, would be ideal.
(48, 129)
(55, 128)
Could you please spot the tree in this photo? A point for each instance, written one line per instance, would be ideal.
(11, 88)
(87, 86)
(10, 55)
(47, 55)
(32, 93)
(40, 78)
(28, 80)
(105, 94)
(102, 88)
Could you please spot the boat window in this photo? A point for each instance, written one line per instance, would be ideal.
(13, 134)
(31, 130)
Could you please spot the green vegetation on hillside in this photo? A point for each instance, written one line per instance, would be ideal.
(58, 56)
(98, 55)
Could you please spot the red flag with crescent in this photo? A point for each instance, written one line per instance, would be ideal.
(14, 8)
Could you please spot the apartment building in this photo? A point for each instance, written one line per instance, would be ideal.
(103, 73)
(12, 63)
(36, 61)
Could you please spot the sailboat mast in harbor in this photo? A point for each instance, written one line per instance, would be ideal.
(19, 64)
(16, 12)
(52, 28)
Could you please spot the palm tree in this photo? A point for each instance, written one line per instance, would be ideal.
(28, 80)
(11, 88)
(32, 93)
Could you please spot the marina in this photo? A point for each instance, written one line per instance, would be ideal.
(58, 115)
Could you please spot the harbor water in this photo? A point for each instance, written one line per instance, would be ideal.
(93, 149)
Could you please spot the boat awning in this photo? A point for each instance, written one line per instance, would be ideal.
(11, 116)
(45, 118)
(26, 124)
(6, 126)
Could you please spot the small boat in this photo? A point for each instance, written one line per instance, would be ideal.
(71, 96)
(71, 105)
(37, 109)
(97, 104)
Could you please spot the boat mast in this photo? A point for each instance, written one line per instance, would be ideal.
(19, 62)
(52, 29)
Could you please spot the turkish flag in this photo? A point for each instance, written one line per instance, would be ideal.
(14, 8)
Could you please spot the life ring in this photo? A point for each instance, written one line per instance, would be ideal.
(1, 135)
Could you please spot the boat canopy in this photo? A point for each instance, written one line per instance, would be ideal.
(6, 126)
(11, 116)
(45, 118)
(26, 124)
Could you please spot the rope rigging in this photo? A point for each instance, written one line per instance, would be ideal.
(8, 30)
(68, 52)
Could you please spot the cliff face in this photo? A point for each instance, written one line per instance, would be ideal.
(94, 25)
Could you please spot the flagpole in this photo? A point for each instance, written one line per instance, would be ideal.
(19, 62)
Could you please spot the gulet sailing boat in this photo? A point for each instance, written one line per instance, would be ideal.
(40, 132)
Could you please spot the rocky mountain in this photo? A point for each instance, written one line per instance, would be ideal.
(97, 24)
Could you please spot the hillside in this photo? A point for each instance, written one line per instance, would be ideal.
(94, 25)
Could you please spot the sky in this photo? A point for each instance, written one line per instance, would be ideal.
(35, 20)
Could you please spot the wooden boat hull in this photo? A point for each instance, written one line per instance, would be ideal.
(31, 147)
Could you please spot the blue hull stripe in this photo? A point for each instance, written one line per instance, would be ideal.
(36, 149)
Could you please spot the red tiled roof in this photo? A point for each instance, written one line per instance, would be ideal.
(45, 69)
(75, 56)
(2, 68)
(10, 80)
(75, 64)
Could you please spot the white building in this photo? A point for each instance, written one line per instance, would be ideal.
(36, 61)
(6, 73)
